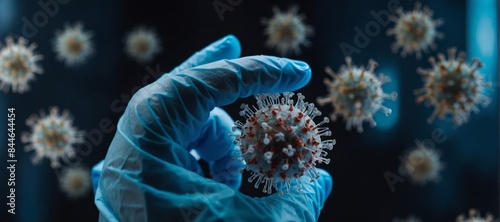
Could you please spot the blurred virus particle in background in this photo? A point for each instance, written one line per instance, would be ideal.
(475, 216)
(52, 136)
(142, 44)
(286, 31)
(18, 65)
(415, 31)
(421, 164)
(356, 94)
(75, 182)
(453, 87)
(280, 140)
(73, 45)
(410, 218)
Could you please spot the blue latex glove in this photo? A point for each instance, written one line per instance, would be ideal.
(149, 174)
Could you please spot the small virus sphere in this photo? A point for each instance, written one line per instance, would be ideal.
(18, 65)
(52, 136)
(280, 140)
(286, 31)
(142, 44)
(73, 45)
(474, 216)
(421, 164)
(75, 182)
(356, 94)
(415, 31)
(453, 87)
(410, 218)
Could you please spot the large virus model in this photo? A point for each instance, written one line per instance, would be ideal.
(73, 45)
(52, 136)
(286, 31)
(18, 65)
(75, 182)
(474, 216)
(453, 87)
(142, 44)
(421, 164)
(280, 140)
(356, 94)
(415, 31)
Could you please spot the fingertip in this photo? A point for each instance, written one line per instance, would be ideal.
(299, 72)
(229, 46)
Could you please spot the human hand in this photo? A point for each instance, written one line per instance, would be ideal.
(149, 174)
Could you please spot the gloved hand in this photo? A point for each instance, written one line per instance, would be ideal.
(149, 174)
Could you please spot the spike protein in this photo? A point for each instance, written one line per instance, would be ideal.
(73, 45)
(51, 136)
(280, 141)
(18, 65)
(421, 164)
(286, 31)
(356, 94)
(415, 31)
(453, 87)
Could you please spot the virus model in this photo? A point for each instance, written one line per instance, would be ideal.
(453, 87)
(142, 44)
(410, 218)
(356, 94)
(51, 136)
(18, 65)
(421, 164)
(474, 216)
(280, 141)
(73, 45)
(415, 31)
(75, 182)
(286, 31)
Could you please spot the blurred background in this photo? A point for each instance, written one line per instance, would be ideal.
(98, 90)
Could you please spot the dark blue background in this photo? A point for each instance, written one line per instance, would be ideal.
(359, 161)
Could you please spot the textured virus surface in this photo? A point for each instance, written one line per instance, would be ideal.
(52, 136)
(142, 44)
(453, 87)
(410, 218)
(280, 140)
(73, 45)
(286, 31)
(421, 164)
(415, 31)
(18, 65)
(356, 94)
(474, 216)
(75, 182)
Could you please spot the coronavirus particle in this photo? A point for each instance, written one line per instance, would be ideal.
(52, 136)
(410, 218)
(421, 164)
(356, 94)
(73, 45)
(280, 140)
(286, 31)
(142, 44)
(415, 31)
(453, 87)
(75, 182)
(18, 65)
(474, 216)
